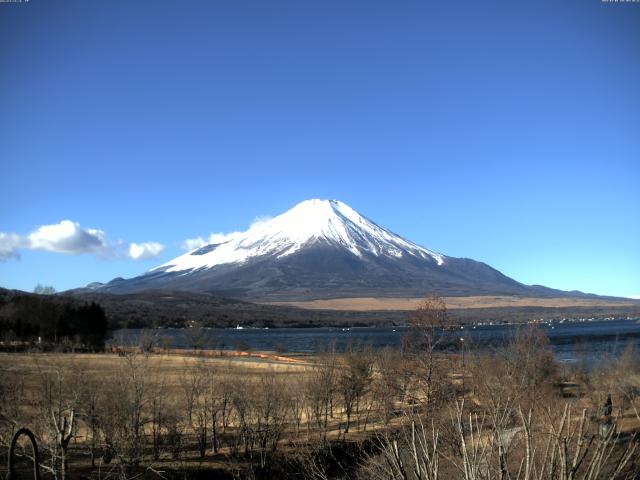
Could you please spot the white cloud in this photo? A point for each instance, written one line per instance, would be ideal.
(223, 237)
(69, 238)
(9, 244)
(142, 251)
(193, 243)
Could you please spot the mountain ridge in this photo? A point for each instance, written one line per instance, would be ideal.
(322, 249)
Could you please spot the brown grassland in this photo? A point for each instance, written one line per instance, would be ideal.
(411, 413)
(486, 301)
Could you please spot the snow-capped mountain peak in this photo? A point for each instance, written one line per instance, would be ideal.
(329, 222)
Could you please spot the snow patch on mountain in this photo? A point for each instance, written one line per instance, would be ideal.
(313, 221)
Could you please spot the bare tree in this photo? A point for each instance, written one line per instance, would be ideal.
(12, 393)
(354, 380)
(271, 405)
(90, 392)
(196, 337)
(564, 448)
(412, 454)
(423, 338)
(297, 402)
(44, 289)
(58, 402)
(146, 340)
(197, 393)
(321, 384)
(159, 416)
(391, 382)
(123, 412)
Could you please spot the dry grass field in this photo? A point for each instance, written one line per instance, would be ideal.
(408, 304)
(171, 370)
(357, 414)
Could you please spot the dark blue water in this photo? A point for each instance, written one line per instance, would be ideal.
(571, 341)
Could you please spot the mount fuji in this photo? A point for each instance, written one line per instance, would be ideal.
(322, 249)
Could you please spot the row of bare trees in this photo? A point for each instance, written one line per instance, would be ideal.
(131, 413)
(515, 414)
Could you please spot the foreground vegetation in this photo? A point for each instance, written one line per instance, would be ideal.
(411, 413)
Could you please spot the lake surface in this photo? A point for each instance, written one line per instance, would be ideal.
(571, 341)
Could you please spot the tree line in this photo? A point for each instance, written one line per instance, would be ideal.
(48, 320)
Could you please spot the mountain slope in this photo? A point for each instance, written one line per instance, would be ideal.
(322, 249)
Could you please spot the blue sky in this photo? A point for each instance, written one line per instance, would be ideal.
(507, 132)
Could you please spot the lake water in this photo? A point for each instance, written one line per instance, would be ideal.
(571, 341)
